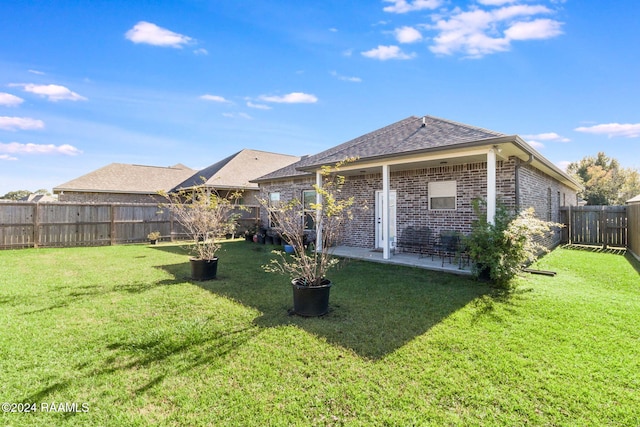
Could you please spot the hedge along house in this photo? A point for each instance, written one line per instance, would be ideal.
(425, 172)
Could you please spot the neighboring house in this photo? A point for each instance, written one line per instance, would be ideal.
(123, 183)
(234, 175)
(633, 201)
(236, 172)
(38, 198)
(425, 172)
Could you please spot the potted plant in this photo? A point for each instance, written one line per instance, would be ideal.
(501, 250)
(153, 237)
(307, 266)
(205, 216)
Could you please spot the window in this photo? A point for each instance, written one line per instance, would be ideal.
(442, 195)
(274, 200)
(308, 199)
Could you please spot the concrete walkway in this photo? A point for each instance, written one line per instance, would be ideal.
(408, 259)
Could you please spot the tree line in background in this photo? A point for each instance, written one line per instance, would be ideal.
(20, 194)
(604, 181)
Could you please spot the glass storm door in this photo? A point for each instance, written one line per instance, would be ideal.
(380, 234)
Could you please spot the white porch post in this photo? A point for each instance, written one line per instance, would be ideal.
(491, 186)
(386, 248)
(318, 212)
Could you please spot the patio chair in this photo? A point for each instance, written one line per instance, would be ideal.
(447, 246)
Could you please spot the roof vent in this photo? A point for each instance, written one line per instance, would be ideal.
(424, 121)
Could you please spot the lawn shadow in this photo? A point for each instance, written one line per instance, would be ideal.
(374, 310)
(635, 263)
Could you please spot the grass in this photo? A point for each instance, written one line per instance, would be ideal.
(123, 330)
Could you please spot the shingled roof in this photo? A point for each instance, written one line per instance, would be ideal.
(410, 135)
(237, 170)
(126, 178)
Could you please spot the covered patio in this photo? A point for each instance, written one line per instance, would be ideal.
(406, 259)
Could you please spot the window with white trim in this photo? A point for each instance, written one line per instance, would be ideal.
(442, 195)
(274, 201)
(309, 199)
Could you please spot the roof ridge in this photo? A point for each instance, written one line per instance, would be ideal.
(365, 138)
(465, 125)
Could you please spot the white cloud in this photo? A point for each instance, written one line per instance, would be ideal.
(237, 116)
(496, 2)
(346, 78)
(258, 106)
(626, 130)
(536, 144)
(547, 136)
(384, 53)
(9, 100)
(407, 35)
(537, 29)
(563, 164)
(7, 157)
(404, 6)
(215, 98)
(478, 32)
(201, 51)
(534, 139)
(23, 123)
(40, 73)
(51, 92)
(18, 148)
(291, 98)
(148, 33)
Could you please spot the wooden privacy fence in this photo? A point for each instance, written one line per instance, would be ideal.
(595, 225)
(633, 234)
(24, 225)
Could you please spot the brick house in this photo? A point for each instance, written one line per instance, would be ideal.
(123, 183)
(425, 172)
(127, 183)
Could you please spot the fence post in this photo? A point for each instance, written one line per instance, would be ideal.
(112, 226)
(36, 225)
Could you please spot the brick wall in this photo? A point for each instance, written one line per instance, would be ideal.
(88, 197)
(546, 195)
(288, 189)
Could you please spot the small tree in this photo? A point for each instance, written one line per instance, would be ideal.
(204, 215)
(504, 248)
(309, 264)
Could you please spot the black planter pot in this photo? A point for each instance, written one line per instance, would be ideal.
(311, 301)
(203, 269)
(484, 273)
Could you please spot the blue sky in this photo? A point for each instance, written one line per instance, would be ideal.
(87, 83)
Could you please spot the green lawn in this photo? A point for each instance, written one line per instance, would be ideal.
(122, 330)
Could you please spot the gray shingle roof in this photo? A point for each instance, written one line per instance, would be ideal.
(404, 137)
(237, 170)
(126, 178)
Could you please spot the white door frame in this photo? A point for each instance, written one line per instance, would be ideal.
(381, 224)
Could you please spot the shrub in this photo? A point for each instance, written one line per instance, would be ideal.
(501, 250)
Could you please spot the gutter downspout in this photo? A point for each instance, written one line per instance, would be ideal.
(517, 178)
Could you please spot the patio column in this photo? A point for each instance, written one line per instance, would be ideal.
(491, 186)
(318, 212)
(386, 248)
